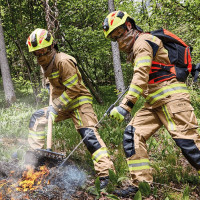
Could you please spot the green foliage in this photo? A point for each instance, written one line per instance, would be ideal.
(145, 189)
(138, 196)
(95, 190)
(112, 177)
(14, 120)
(186, 193)
(112, 196)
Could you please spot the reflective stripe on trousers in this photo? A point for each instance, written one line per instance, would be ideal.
(80, 123)
(171, 124)
(37, 134)
(141, 164)
(97, 155)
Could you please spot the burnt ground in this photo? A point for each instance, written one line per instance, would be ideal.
(70, 183)
(63, 185)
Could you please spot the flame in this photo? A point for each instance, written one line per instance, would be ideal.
(31, 179)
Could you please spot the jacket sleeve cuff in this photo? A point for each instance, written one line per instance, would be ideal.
(127, 104)
(56, 104)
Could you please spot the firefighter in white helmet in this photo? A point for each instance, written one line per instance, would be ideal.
(167, 100)
(71, 99)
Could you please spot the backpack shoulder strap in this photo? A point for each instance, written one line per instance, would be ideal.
(168, 37)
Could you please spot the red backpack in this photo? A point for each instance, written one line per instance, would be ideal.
(180, 57)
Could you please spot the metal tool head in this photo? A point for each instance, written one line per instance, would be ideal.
(49, 154)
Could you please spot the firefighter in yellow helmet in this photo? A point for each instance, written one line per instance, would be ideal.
(71, 99)
(167, 100)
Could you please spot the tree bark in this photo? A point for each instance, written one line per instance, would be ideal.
(116, 57)
(5, 70)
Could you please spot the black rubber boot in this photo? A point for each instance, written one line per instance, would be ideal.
(130, 191)
(103, 181)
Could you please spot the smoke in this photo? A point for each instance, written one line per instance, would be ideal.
(70, 179)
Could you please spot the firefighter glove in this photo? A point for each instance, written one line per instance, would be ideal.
(118, 113)
(48, 87)
(52, 112)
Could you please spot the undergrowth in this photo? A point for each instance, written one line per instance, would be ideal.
(173, 175)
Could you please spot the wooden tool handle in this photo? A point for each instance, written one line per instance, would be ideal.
(50, 127)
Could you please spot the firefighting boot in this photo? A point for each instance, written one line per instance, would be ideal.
(103, 181)
(128, 192)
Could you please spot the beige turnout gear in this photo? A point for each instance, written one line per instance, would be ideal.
(71, 99)
(167, 103)
(158, 93)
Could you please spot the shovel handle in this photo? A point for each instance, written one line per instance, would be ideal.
(50, 127)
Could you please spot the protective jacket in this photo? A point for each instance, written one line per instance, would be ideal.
(156, 94)
(68, 89)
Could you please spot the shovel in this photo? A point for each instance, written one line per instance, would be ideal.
(48, 153)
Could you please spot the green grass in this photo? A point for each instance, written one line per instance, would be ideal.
(169, 166)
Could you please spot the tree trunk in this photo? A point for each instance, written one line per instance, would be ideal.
(5, 70)
(116, 57)
(119, 80)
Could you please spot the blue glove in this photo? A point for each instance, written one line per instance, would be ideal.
(52, 112)
(118, 113)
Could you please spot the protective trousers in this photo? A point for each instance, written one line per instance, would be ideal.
(84, 120)
(178, 118)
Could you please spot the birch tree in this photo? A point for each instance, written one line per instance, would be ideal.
(116, 57)
(5, 71)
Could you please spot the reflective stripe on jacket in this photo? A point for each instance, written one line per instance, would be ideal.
(148, 48)
(68, 89)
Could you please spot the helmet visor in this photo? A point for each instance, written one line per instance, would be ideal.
(117, 33)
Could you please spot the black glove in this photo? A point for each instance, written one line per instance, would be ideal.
(48, 87)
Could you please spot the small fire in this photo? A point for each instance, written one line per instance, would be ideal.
(32, 180)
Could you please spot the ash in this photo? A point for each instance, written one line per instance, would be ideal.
(69, 179)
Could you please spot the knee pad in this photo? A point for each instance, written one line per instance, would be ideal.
(128, 141)
(190, 151)
(36, 115)
(90, 141)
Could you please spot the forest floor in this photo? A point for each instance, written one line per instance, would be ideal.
(70, 183)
